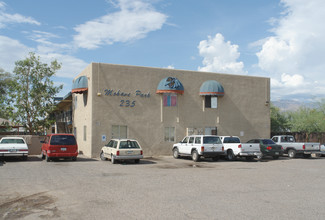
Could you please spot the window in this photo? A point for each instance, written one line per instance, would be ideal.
(185, 140)
(75, 102)
(194, 131)
(170, 134)
(170, 99)
(202, 131)
(119, 131)
(191, 141)
(85, 133)
(211, 101)
(210, 131)
(128, 144)
(63, 140)
(211, 140)
(231, 140)
(110, 144)
(198, 140)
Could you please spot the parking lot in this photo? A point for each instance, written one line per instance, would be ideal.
(162, 188)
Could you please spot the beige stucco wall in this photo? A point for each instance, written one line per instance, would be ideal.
(242, 111)
(82, 114)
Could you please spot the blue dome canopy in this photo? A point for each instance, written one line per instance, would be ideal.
(80, 85)
(170, 85)
(212, 87)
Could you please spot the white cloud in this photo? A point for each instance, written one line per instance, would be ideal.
(70, 66)
(292, 81)
(10, 51)
(6, 18)
(134, 21)
(220, 56)
(296, 47)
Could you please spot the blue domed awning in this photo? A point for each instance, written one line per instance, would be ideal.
(80, 85)
(212, 87)
(170, 85)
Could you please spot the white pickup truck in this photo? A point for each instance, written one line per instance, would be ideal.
(234, 148)
(208, 146)
(292, 148)
(13, 146)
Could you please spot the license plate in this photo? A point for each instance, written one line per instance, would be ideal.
(12, 150)
(276, 153)
(63, 149)
(129, 152)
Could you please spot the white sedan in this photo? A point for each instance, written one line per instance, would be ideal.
(122, 149)
(13, 146)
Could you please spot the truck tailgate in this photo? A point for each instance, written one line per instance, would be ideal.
(250, 147)
(311, 146)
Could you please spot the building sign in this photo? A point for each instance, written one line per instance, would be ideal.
(126, 102)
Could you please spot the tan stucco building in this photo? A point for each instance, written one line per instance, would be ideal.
(158, 107)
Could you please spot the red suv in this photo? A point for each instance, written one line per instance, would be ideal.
(59, 146)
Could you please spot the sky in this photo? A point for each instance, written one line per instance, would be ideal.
(280, 39)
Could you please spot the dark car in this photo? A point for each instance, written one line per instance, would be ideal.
(268, 147)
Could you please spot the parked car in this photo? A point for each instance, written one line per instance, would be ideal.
(208, 146)
(268, 147)
(13, 147)
(122, 149)
(292, 148)
(59, 146)
(234, 148)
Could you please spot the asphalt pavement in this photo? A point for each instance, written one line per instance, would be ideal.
(162, 188)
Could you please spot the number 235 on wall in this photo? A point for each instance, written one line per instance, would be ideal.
(127, 103)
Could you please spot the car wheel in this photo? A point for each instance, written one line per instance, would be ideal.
(42, 155)
(137, 161)
(230, 155)
(74, 158)
(102, 157)
(195, 156)
(113, 159)
(275, 157)
(249, 158)
(175, 153)
(215, 158)
(47, 158)
(292, 153)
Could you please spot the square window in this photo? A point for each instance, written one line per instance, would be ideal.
(119, 131)
(169, 134)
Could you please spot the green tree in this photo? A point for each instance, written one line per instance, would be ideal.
(5, 81)
(279, 120)
(306, 120)
(32, 93)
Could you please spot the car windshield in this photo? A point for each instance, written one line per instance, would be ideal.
(231, 140)
(129, 144)
(63, 140)
(211, 140)
(268, 141)
(12, 141)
